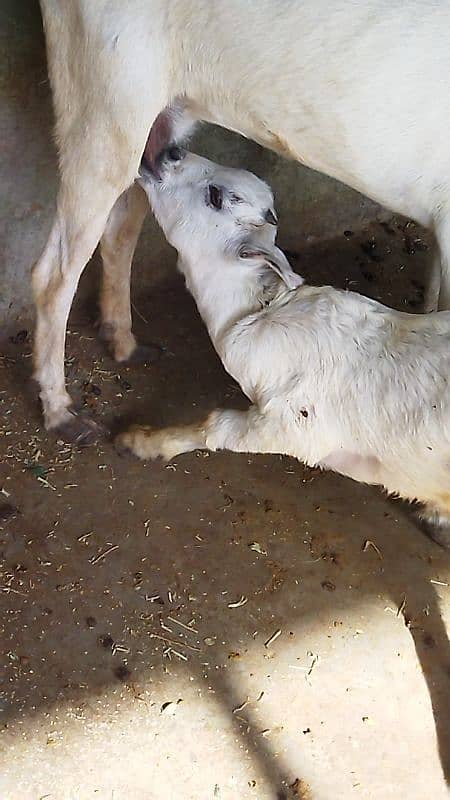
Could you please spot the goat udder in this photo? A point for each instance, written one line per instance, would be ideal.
(174, 124)
(159, 138)
(361, 468)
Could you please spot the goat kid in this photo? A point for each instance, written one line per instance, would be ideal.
(335, 379)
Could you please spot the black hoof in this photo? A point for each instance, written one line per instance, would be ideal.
(79, 430)
(145, 354)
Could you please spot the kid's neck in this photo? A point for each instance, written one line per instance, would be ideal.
(223, 294)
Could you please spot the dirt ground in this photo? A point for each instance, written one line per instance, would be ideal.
(226, 626)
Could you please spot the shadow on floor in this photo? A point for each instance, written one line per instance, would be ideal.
(100, 553)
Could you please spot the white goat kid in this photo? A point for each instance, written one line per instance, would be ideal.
(358, 90)
(335, 379)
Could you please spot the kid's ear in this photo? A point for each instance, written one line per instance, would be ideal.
(274, 258)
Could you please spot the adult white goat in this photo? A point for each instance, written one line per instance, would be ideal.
(359, 90)
(335, 379)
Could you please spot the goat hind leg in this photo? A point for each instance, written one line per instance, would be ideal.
(117, 247)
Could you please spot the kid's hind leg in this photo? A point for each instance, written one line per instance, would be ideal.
(238, 431)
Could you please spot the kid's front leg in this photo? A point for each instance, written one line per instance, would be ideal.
(238, 431)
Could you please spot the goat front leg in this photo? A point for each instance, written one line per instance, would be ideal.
(84, 203)
(55, 280)
(117, 247)
(96, 168)
(238, 431)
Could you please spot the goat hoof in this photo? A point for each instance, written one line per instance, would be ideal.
(79, 430)
(142, 353)
(105, 331)
(123, 446)
(120, 445)
(123, 451)
(135, 442)
(145, 354)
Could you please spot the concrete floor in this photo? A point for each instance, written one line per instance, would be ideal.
(139, 601)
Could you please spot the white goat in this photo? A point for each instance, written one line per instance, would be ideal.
(335, 379)
(358, 90)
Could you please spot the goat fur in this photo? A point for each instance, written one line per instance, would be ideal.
(335, 379)
(356, 90)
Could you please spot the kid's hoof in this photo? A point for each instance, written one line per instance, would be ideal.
(123, 447)
(140, 441)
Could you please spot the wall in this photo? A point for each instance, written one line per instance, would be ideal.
(309, 204)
